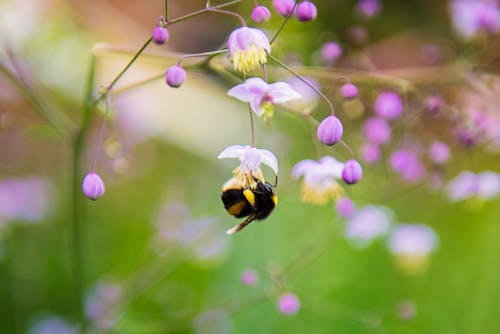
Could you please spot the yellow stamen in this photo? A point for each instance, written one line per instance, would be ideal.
(321, 196)
(246, 60)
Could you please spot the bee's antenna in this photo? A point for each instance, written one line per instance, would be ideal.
(275, 182)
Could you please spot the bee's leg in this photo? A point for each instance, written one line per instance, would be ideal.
(240, 226)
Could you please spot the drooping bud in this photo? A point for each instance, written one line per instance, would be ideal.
(306, 11)
(330, 130)
(352, 172)
(160, 35)
(260, 14)
(92, 186)
(331, 51)
(284, 7)
(175, 76)
(349, 91)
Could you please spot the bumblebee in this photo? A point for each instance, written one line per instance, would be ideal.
(255, 203)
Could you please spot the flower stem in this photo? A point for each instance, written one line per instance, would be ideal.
(201, 11)
(202, 54)
(301, 78)
(166, 10)
(283, 24)
(228, 12)
(252, 127)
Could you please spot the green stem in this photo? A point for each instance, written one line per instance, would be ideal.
(283, 24)
(202, 54)
(166, 10)
(323, 96)
(201, 11)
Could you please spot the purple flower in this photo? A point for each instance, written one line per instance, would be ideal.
(388, 105)
(262, 95)
(368, 224)
(433, 104)
(352, 172)
(330, 131)
(488, 185)
(349, 91)
(345, 207)
(368, 8)
(160, 35)
(408, 165)
(92, 186)
(175, 76)
(284, 7)
(319, 179)
(377, 130)
(412, 240)
(260, 14)
(101, 304)
(309, 99)
(250, 277)
(370, 153)
(439, 152)
(53, 325)
(471, 17)
(331, 51)
(288, 304)
(463, 186)
(248, 48)
(306, 11)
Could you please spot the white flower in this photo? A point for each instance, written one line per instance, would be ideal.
(248, 48)
(319, 179)
(417, 239)
(367, 224)
(262, 95)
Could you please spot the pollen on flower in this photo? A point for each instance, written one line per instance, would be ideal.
(321, 195)
(246, 60)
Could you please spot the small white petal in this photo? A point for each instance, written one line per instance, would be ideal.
(269, 159)
(303, 167)
(332, 166)
(281, 92)
(234, 151)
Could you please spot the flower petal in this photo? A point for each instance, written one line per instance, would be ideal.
(269, 159)
(332, 166)
(234, 151)
(252, 88)
(281, 92)
(255, 105)
(303, 167)
(252, 158)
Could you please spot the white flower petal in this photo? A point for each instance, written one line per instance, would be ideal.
(332, 166)
(234, 151)
(269, 159)
(281, 92)
(303, 167)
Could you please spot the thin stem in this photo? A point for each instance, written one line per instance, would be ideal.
(283, 24)
(252, 128)
(349, 149)
(230, 13)
(201, 11)
(264, 72)
(323, 96)
(100, 136)
(311, 120)
(202, 54)
(166, 10)
(209, 4)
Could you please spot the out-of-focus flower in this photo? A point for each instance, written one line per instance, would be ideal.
(306, 11)
(175, 76)
(260, 14)
(377, 130)
(250, 277)
(25, 199)
(200, 236)
(370, 153)
(319, 179)
(352, 172)
(214, 321)
(160, 35)
(330, 52)
(368, 8)
(349, 91)
(330, 131)
(310, 98)
(248, 48)
(288, 303)
(284, 7)
(367, 224)
(439, 152)
(472, 17)
(251, 158)
(433, 104)
(52, 325)
(408, 165)
(357, 34)
(406, 310)
(93, 186)
(101, 304)
(412, 245)
(345, 207)
(262, 95)
(485, 185)
(388, 105)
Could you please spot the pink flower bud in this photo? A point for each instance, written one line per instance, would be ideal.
(377, 130)
(289, 304)
(160, 35)
(92, 186)
(250, 277)
(439, 152)
(306, 11)
(284, 7)
(331, 51)
(352, 172)
(175, 76)
(388, 105)
(260, 14)
(330, 130)
(345, 207)
(349, 91)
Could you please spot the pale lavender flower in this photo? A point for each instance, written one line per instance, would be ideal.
(463, 186)
(370, 153)
(289, 304)
(249, 277)
(388, 105)
(488, 185)
(439, 152)
(330, 52)
(412, 240)
(345, 207)
(248, 48)
(330, 130)
(407, 163)
(284, 7)
(53, 325)
(251, 158)
(367, 224)
(352, 172)
(175, 76)
(377, 130)
(309, 98)
(349, 91)
(262, 95)
(368, 8)
(93, 186)
(433, 104)
(101, 304)
(260, 14)
(320, 179)
(306, 11)
(471, 17)
(160, 35)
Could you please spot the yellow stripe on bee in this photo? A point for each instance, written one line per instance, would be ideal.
(275, 200)
(249, 195)
(236, 209)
